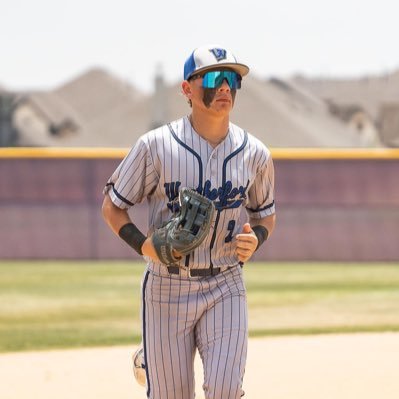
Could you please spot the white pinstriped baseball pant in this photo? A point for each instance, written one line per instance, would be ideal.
(180, 314)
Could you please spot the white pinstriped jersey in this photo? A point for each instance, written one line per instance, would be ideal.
(236, 173)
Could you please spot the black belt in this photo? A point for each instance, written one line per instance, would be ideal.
(195, 272)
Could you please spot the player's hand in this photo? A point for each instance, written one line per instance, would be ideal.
(246, 243)
(149, 250)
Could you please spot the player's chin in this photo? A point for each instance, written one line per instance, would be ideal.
(223, 106)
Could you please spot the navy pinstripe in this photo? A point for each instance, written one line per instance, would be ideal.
(143, 296)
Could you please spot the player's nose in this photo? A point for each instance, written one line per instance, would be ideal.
(224, 86)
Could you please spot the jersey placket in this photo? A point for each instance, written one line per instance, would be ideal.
(213, 176)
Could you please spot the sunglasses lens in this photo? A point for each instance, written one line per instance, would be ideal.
(214, 79)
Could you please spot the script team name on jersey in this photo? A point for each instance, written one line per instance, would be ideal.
(224, 197)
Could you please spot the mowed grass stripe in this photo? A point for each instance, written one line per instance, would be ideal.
(45, 305)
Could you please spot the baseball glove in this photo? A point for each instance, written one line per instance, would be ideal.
(187, 229)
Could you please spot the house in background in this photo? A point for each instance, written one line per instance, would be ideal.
(44, 119)
(389, 124)
(358, 119)
(97, 109)
(90, 110)
(372, 101)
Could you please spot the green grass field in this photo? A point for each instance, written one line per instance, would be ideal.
(46, 305)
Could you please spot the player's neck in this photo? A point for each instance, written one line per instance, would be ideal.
(212, 129)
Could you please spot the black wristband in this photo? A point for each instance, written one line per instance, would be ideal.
(132, 236)
(261, 234)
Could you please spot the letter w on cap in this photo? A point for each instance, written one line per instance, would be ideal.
(219, 53)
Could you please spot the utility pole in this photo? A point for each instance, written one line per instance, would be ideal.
(159, 111)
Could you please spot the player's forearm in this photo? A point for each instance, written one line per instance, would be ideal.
(121, 224)
(114, 216)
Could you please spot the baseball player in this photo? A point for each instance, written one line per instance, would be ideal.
(196, 301)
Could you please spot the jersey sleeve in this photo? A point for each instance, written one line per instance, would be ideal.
(261, 193)
(134, 179)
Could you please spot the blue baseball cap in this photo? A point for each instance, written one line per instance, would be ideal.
(210, 57)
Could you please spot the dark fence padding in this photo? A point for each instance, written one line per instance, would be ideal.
(330, 210)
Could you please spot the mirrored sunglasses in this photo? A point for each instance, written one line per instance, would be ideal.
(214, 79)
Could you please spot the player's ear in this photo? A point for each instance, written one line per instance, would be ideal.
(186, 89)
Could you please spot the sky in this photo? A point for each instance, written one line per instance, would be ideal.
(45, 43)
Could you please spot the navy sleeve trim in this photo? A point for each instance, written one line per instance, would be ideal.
(118, 195)
(261, 209)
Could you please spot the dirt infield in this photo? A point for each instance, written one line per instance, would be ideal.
(354, 366)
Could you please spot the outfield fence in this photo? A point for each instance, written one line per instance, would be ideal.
(332, 205)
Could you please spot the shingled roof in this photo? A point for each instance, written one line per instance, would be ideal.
(280, 114)
(369, 92)
(108, 112)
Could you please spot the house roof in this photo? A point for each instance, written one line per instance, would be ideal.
(279, 113)
(368, 92)
(110, 112)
